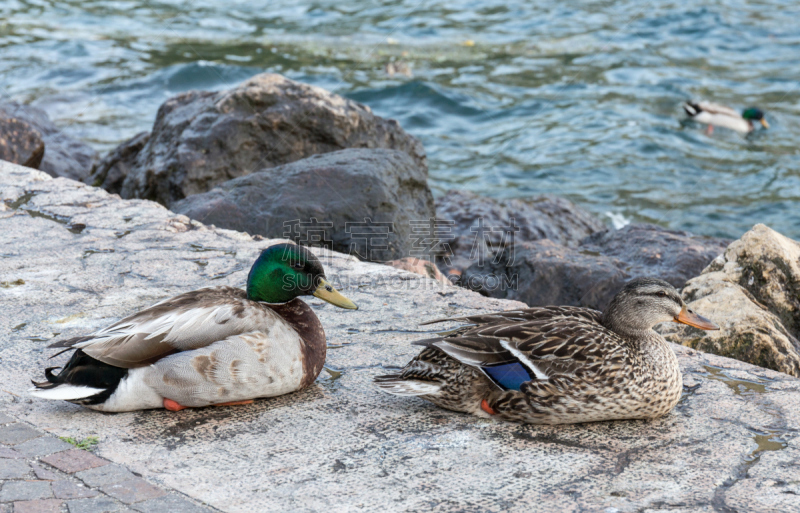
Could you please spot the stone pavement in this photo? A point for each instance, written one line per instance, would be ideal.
(39, 473)
(74, 259)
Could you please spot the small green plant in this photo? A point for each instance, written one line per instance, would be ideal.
(87, 444)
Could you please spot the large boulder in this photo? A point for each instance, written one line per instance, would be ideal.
(753, 292)
(358, 201)
(111, 171)
(63, 155)
(201, 139)
(20, 143)
(545, 273)
(471, 223)
(649, 250)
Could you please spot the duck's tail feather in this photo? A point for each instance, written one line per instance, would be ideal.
(64, 392)
(69, 342)
(692, 109)
(395, 384)
(83, 379)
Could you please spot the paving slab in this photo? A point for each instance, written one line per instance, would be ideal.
(7, 452)
(171, 503)
(96, 505)
(105, 475)
(16, 433)
(38, 506)
(133, 490)
(43, 474)
(24, 490)
(77, 259)
(42, 446)
(13, 469)
(70, 490)
(74, 460)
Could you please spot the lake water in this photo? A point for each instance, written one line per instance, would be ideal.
(510, 98)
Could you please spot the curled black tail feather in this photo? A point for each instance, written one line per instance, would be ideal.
(692, 106)
(83, 370)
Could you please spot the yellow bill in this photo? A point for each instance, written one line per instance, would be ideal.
(326, 292)
(764, 123)
(692, 319)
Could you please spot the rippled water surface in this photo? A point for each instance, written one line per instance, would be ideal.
(510, 98)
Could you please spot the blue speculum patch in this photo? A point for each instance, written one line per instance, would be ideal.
(510, 376)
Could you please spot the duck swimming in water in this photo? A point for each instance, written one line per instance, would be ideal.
(714, 114)
(557, 364)
(212, 346)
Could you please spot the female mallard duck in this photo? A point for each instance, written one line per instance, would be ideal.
(213, 346)
(556, 364)
(714, 114)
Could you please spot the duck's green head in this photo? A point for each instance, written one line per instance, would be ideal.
(286, 271)
(755, 114)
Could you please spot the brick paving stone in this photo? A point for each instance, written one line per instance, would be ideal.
(43, 474)
(8, 452)
(13, 469)
(5, 419)
(170, 504)
(42, 446)
(133, 490)
(40, 506)
(106, 475)
(25, 491)
(17, 433)
(95, 505)
(74, 460)
(70, 490)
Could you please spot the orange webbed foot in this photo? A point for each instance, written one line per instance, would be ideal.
(488, 409)
(235, 403)
(171, 405)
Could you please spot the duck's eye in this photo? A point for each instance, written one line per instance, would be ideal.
(661, 293)
(298, 265)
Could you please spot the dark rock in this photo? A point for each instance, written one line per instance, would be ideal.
(63, 155)
(649, 250)
(545, 273)
(543, 217)
(20, 143)
(348, 186)
(110, 172)
(201, 139)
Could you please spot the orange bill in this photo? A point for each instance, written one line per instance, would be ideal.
(692, 319)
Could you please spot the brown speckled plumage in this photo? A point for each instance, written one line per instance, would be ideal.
(584, 365)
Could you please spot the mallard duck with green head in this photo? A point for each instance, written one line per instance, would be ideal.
(714, 114)
(212, 346)
(558, 364)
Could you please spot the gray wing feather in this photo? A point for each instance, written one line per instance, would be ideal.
(188, 321)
